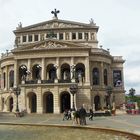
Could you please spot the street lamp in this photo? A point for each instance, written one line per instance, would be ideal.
(16, 91)
(73, 89)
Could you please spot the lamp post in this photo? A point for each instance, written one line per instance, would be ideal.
(73, 89)
(17, 93)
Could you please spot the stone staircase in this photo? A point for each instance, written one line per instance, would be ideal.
(7, 114)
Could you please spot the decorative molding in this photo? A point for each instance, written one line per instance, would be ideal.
(50, 44)
(55, 25)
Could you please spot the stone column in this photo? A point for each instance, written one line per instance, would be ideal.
(58, 36)
(15, 73)
(2, 79)
(43, 69)
(72, 70)
(83, 35)
(101, 71)
(21, 39)
(70, 36)
(64, 36)
(29, 70)
(39, 101)
(6, 78)
(89, 36)
(56, 101)
(76, 35)
(122, 76)
(87, 71)
(58, 68)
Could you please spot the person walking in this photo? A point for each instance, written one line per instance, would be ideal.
(82, 113)
(91, 114)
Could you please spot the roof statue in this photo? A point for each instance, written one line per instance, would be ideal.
(92, 21)
(55, 12)
(19, 26)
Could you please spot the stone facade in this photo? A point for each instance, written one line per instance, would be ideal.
(48, 58)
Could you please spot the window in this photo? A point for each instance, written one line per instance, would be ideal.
(105, 77)
(36, 37)
(61, 36)
(51, 35)
(73, 35)
(86, 36)
(117, 78)
(79, 35)
(30, 38)
(24, 38)
(11, 78)
(95, 74)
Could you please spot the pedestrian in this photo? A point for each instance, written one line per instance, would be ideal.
(82, 113)
(65, 115)
(90, 114)
(77, 116)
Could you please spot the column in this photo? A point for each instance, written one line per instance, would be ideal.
(6, 77)
(102, 75)
(87, 71)
(58, 68)
(122, 77)
(58, 36)
(39, 101)
(15, 73)
(21, 41)
(43, 69)
(29, 69)
(64, 36)
(83, 35)
(33, 37)
(89, 36)
(70, 36)
(72, 70)
(2, 77)
(76, 35)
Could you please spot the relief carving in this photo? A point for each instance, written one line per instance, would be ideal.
(55, 25)
(50, 44)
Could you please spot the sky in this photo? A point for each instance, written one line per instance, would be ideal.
(118, 21)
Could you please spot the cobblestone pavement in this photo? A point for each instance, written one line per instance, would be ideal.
(122, 122)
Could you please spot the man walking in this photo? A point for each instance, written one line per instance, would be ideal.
(82, 113)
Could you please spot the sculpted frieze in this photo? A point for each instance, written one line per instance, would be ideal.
(50, 44)
(55, 25)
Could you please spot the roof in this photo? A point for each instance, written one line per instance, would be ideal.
(56, 24)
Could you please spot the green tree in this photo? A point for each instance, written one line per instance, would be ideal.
(132, 92)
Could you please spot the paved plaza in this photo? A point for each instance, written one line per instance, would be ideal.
(122, 121)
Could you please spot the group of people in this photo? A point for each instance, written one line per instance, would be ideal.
(78, 116)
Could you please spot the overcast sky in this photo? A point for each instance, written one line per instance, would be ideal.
(119, 22)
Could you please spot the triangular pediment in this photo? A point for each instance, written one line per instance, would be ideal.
(54, 24)
(50, 44)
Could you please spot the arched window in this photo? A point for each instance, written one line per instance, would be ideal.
(80, 72)
(22, 72)
(95, 74)
(105, 77)
(11, 78)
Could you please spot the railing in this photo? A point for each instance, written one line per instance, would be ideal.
(47, 81)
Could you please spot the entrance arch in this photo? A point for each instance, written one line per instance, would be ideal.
(65, 101)
(32, 102)
(97, 102)
(48, 102)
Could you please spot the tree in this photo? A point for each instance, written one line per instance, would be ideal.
(132, 92)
